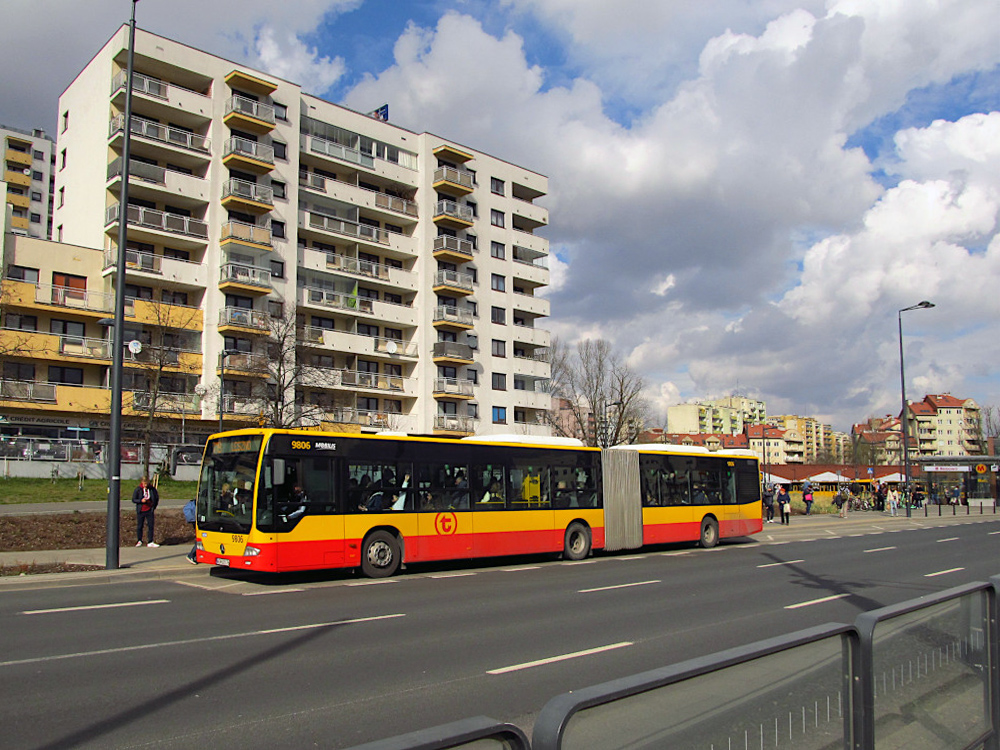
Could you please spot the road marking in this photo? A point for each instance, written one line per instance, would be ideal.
(189, 641)
(949, 539)
(450, 575)
(630, 557)
(93, 606)
(880, 549)
(817, 601)
(619, 586)
(675, 554)
(943, 572)
(554, 659)
(371, 583)
(518, 570)
(204, 587)
(993, 532)
(774, 565)
(273, 591)
(579, 562)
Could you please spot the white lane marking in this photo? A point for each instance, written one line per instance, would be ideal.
(579, 562)
(630, 557)
(943, 572)
(675, 554)
(832, 533)
(949, 539)
(880, 549)
(93, 606)
(450, 575)
(619, 586)
(817, 601)
(273, 591)
(202, 586)
(774, 565)
(518, 570)
(563, 657)
(371, 583)
(993, 532)
(189, 641)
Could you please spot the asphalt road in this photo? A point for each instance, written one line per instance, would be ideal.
(332, 660)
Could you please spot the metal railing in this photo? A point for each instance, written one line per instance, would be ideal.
(453, 386)
(249, 149)
(372, 380)
(245, 362)
(448, 314)
(140, 170)
(349, 228)
(163, 133)
(452, 350)
(454, 210)
(238, 316)
(334, 150)
(455, 176)
(923, 673)
(338, 300)
(455, 279)
(236, 188)
(173, 403)
(150, 218)
(250, 108)
(27, 390)
(454, 423)
(354, 265)
(237, 230)
(454, 245)
(249, 275)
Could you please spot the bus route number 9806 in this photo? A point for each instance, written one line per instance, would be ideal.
(301, 445)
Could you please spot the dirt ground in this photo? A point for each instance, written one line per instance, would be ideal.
(84, 531)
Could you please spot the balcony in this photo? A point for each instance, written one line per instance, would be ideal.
(234, 277)
(170, 403)
(241, 319)
(149, 265)
(240, 79)
(453, 388)
(333, 150)
(451, 214)
(453, 423)
(453, 249)
(163, 135)
(372, 381)
(155, 183)
(240, 195)
(19, 177)
(449, 317)
(249, 115)
(333, 225)
(245, 363)
(165, 101)
(74, 299)
(27, 390)
(347, 264)
(453, 154)
(363, 418)
(240, 153)
(191, 232)
(451, 352)
(18, 158)
(236, 233)
(336, 300)
(454, 181)
(246, 406)
(453, 282)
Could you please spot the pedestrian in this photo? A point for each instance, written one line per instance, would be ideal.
(843, 501)
(784, 502)
(807, 498)
(190, 514)
(769, 503)
(892, 497)
(146, 498)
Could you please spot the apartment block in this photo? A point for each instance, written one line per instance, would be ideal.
(290, 259)
(820, 442)
(28, 171)
(711, 417)
(943, 425)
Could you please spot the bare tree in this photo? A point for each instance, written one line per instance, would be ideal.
(989, 425)
(598, 396)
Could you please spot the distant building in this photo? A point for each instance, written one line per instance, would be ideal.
(29, 167)
(724, 416)
(942, 425)
(713, 442)
(820, 442)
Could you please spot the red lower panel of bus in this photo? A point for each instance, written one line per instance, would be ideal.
(666, 533)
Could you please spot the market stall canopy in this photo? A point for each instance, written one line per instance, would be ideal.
(774, 479)
(828, 477)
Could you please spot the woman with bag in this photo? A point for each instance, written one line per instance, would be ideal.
(784, 502)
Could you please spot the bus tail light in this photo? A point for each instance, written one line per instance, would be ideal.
(251, 551)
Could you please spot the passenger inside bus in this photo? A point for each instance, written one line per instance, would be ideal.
(460, 496)
(297, 505)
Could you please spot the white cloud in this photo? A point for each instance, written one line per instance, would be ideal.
(285, 55)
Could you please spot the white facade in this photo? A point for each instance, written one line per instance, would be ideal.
(409, 263)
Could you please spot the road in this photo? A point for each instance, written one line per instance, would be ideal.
(334, 660)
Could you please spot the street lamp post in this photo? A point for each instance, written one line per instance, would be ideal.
(222, 382)
(904, 426)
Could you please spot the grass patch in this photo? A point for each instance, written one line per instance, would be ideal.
(17, 490)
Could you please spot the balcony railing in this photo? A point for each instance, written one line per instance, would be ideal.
(336, 151)
(238, 316)
(395, 347)
(75, 346)
(454, 210)
(448, 314)
(237, 230)
(452, 350)
(27, 390)
(248, 191)
(393, 203)
(373, 380)
(136, 260)
(312, 181)
(139, 170)
(454, 245)
(456, 176)
(338, 300)
(78, 299)
(232, 404)
(162, 133)
(245, 362)
(455, 279)
(173, 403)
(348, 228)
(250, 108)
(250, 275)
(453, 386)
(162, 221)
(454, 423)
(249, 149)
(142, 84)
(361, 267)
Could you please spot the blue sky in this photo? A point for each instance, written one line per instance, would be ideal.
(741, 194)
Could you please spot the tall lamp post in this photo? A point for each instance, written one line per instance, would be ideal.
(222, 382)
(905, 429)
(111, 558)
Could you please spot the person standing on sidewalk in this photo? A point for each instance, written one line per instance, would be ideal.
(784, 502)
(892, 496)
(190, 514)
(146, 498)
(769, 503)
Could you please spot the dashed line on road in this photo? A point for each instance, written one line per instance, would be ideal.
(949, 539)
(273, 591)
(943, 572)
(450, 575)
(880, 549)
(562, 657)
(816, 601)
(775, 565)
(518, 570)
(618, 586)
(93, 606)
(371, 583)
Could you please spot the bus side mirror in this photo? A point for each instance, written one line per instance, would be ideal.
(278, 467)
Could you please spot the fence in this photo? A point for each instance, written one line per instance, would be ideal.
(921, 674)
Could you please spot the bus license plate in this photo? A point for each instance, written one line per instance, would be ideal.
(222, 561)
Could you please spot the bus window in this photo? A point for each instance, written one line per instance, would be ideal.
(586, 487)
(224, 498)
(294, 488)
(649, 486)
(529, 486)
(378, 487)
(706, 487)
(487, 483)
(442, 486)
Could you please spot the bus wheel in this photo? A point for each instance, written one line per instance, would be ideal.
(576, 544)
(380, 555)
(709, 533)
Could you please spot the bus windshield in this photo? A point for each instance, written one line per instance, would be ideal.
(226, 485)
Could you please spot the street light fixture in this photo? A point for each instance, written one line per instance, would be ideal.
(904, 427)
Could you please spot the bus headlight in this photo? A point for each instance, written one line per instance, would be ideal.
(198, 545)
(251, 551)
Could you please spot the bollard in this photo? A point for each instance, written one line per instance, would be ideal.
(925, 510)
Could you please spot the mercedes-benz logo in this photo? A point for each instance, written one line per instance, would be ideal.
(222, 549)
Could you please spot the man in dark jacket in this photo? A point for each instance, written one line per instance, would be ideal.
(146, 498)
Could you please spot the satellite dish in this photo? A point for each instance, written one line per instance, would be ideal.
(134, 346)
(391, 347)
(200, 389)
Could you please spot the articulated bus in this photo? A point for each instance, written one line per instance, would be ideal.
(291, 500)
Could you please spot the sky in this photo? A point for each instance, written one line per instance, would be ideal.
(742, 195)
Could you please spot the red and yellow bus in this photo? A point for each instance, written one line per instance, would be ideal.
(286, 500)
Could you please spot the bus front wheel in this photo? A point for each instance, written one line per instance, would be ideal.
(709, 533)
(576, 544)
(380, 555)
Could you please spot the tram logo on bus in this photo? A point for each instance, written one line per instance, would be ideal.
(446, 524)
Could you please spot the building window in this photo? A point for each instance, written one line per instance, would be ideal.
(276, 308)
(171, 297)
(396, 334)
(499, 348)
(496, 186)
(38, 176)
(36, 218)
(367, 330)
(62, 197)
(18, 371)
(279, 189)
(472, 410)
(59, 233)
(498, 315)
(498, 250)
(474, 207)
(472, 376)
(23, 273)
(65, 121)
(67, 375)
(499, 415)
(36, 196)
(280, 150)
(278, 269)
(499, 381)
(62, 160)
(38, 155)
(22, 322)
(496, 217)
(280, 111)
(278, 229)
(498, 283)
